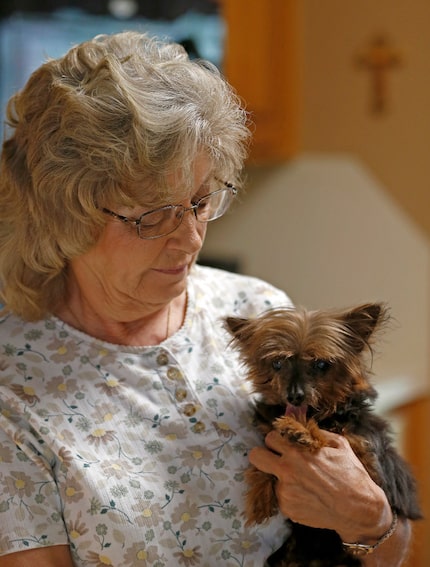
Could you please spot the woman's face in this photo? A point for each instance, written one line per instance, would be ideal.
(136, 276)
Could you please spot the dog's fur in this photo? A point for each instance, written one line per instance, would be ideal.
(309, 371)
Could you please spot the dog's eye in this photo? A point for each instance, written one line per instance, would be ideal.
(321, 365)
(277, 364)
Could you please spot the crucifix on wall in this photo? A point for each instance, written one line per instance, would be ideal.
(379, 58)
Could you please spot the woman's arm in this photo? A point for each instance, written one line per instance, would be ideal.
(331, 489)
(52, 556)
(394, 551)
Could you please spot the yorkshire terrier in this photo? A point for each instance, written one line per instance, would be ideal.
(309, 372)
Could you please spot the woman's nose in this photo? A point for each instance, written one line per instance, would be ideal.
(190, 233)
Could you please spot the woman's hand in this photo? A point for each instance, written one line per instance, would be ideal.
(331, 489)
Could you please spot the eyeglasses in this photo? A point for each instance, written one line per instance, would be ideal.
(161, 222)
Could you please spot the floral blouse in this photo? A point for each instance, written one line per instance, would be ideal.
(133, 456)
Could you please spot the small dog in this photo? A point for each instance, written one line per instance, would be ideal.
(308, 369)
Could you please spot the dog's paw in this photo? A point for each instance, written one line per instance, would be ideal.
(306, 436)
(260, 501)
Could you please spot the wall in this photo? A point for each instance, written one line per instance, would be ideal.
(337, 92)
(348, 220)
(322, 228)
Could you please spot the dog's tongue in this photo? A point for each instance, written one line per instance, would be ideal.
(298, 412)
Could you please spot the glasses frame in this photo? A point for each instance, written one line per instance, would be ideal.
(181, 212)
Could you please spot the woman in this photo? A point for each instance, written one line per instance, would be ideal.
(125, 424)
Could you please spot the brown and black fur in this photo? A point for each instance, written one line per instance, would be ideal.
(310, 373)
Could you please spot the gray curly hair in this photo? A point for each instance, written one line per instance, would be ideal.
(103, 125)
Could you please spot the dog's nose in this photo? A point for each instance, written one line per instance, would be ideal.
(297, 399)
(295, 395)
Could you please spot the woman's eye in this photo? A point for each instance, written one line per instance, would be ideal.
(203, 204)
(277, 364)
(321, 365)
(154, 218)
(197, 198)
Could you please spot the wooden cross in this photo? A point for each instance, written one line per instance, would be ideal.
(379, 58)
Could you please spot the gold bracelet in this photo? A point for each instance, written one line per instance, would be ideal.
(364, 549)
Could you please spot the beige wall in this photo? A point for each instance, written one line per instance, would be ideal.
(336, 92)
(323, 228)
(348, 219)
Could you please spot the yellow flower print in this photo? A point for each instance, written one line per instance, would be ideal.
(65, 351)
(187, 514)
(172, 431)
(20, 484)
(149, 513)
(100, 436)
(111, 386)
(60, 386)
(76, 528)
(101, 354)
(98, 559)
(189, 556)
(118, 469)
(224, 429)
(72, 490)
(196, 456)
(140, 555)
(25, 393)
(104, 412)
(245, 544)
(65, 457)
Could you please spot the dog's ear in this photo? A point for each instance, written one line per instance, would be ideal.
(235, 325)
(362, 321)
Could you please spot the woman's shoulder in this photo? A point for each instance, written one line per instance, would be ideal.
(236, 293)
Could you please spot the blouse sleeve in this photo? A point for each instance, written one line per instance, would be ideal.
(252, 296)
(30, 509)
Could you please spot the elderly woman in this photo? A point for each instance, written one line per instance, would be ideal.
(125, 424)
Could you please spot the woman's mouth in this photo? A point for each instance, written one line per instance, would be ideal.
(174, 271)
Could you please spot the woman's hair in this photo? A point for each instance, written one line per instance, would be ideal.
(105, 125)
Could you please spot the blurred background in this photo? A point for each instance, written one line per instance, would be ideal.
(336, 205)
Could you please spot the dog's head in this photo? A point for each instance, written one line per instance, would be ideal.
(302, 359)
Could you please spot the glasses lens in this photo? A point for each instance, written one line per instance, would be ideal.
(214, 205)
(160, 222)
(166, 219)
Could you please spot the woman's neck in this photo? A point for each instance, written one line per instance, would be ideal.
(148, 329)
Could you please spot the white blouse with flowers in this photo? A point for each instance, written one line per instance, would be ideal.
(134, 456)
